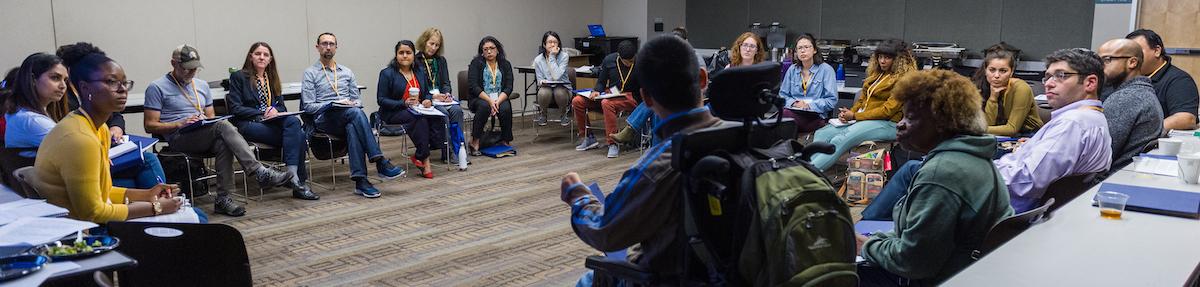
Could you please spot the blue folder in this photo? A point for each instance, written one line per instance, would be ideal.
(868, 227)
(1158, 200)
(133, 158)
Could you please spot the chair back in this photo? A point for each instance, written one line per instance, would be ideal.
(10, 161)
(1065, 189)
(28, 181)
(182, 254)
(1010, 227)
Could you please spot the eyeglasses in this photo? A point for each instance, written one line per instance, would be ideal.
(1058, 76)
(804, 47)
(116, 85)
(489, 48)
(1107, 59)
(749, 46)
(327, 44)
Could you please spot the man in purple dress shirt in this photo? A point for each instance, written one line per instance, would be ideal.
(1075, 140)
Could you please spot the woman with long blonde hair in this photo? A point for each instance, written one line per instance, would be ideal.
(874, 115)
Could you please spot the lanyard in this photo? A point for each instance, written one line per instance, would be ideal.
(495, 73)
(625, 77)
(96, 132)
(333, 82)
(432, 78)
(194, 98)
(804, 82)
(678, 115)
(871, 92)
(1164, 64)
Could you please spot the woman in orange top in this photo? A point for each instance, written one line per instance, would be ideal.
(73, 163)
(875, 113)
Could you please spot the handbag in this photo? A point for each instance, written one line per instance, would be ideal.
(492, 136)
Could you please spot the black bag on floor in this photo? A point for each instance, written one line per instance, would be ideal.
(176, 169)
(492, 136)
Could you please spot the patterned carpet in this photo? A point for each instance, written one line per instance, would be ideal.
(500, 223)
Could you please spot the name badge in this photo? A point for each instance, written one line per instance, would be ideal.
(435, 91)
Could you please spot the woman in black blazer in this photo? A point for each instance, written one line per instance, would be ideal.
(401, 87)
(490, 79)
(256, 102)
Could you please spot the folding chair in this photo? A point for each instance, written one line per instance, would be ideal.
(566, 110)
(182, 254)
(331, 148)
(1010, 227)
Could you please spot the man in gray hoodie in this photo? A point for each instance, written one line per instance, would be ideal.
(1134, 115)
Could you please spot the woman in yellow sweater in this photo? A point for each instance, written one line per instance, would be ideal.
(875, 113)
(73, 164)
(1009, 108)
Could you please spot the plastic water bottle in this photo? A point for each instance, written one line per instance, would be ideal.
(841, 76)
(462, 157)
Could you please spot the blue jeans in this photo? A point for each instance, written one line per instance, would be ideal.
(287, 134)
(638, 118)
(144, 176)
(846, 137)
(352, 124)
(897, 186)
(453, 112)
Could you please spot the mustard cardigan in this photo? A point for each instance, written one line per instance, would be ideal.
(876, 101)
(73, 169)
(1020, 107)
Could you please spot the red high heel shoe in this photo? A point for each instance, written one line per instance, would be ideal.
(428, 175)
(417, 162)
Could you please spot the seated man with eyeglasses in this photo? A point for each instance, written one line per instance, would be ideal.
(330, 94)
(177, 100)
(1075, 140)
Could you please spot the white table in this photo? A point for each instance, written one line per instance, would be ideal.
(290, 90)
(1078, 248)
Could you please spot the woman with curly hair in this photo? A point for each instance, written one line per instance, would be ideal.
(875, 113)
(951, 198)
(747, 50)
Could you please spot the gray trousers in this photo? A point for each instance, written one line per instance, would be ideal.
(223, 140)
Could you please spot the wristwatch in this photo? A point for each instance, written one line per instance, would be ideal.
(157, 207)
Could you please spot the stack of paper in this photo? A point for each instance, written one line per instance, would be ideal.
(11, 211)
(39, 230)
(421, 110)
(1156, 164)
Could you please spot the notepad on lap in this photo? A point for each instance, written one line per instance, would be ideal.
(866, 227)
(595, 188)
(1157, 200)
(203, 123)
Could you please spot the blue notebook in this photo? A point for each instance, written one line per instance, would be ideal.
(1158, 200)
(868, 227)
(134, 158)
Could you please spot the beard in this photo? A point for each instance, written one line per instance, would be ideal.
(1118, 79)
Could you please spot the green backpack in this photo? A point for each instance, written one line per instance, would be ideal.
(802, 234)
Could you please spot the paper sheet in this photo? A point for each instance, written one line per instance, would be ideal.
(1159, 166)
(39, 230)
(839, 122)
(185, 215)
(426, 111)
(12, 211)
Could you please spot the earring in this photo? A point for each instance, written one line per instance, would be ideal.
(89, 97)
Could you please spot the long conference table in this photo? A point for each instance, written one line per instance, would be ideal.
(291, 91)
(1076, 247)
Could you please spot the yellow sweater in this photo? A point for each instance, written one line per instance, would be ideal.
(876, 102)
(1020, 108)
(73, 167)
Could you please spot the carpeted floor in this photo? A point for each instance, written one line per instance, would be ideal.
(500, 223)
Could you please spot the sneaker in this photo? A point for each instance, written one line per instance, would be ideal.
(364, 188)
(540, 119)
(625, 135)
(225, 205)
(387, 170)
(587, 143)
(566, 120)
(613, 150)
(269, 177)
(302, 191)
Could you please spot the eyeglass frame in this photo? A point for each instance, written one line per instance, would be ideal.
(1107, 59)
(128, 84)
(748, 46)
(327, 44)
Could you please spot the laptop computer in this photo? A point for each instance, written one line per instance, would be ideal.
(596, 30)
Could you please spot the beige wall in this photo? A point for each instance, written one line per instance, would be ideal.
(626, 18)
(140, 34)
(672, 12)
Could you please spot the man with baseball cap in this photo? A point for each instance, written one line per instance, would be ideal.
(178, 100)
